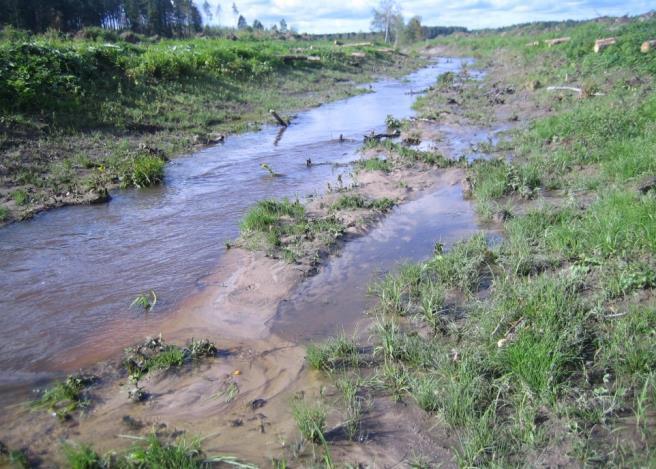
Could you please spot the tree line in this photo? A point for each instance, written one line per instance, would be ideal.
(162, 17)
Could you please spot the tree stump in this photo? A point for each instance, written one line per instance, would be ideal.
(601, 44)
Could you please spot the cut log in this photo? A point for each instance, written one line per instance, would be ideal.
(385, 49)
(358, 44)
(556, 41)
(277, 117)
(647, 46)
(533, 44)
(601, 44)
(359, 55)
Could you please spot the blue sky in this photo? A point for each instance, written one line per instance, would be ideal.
(354, 15)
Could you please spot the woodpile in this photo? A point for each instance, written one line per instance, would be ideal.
(556, 41)
(601, 44)
(647, 46)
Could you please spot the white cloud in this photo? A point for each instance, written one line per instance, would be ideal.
(338, 16)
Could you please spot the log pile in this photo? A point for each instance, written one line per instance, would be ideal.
(647, 46)
(601, 44)
(556, 41)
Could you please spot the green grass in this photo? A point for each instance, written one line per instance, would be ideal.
(155, 355)
(65, 397)
(283, 229)
(542, 343)
(373, 164)
(310, 419)
(337, 352)
(352, 202)
(4, 214)
(152, 452)
(20, 197)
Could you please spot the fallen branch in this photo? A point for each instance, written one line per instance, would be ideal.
(277, 117)
(373, 136)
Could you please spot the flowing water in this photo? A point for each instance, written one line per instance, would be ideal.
(67, 273)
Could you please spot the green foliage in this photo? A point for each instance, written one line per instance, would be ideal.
(350, 202)
(145, 301)
(4, 214)
(310, 419)
(338, 352)
(20, 197)
(137, 170)
(373, 164)
(65, 397)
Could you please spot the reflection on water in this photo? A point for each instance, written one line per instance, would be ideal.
(66, 273)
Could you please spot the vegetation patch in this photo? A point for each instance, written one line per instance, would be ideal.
(356, 201)
(64, 398)
(284, 229)
(154, 355)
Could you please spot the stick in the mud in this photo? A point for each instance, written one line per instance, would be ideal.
(280, 120)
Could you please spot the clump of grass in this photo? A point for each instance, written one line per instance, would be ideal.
(310, 419)
(351, 202)
(20, 197)
(282, 227)
(145, 301)
(337, 352)
(65, 397)
(373, 164)
(392, 123)
(4, 214)
(154, 354)
(136, 169)
(354, 405)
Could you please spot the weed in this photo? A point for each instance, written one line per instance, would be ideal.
(310, 419)
(373, 164)
(145, 301)
(338, 352)
(20, 197)
(65, 397)
(350, 202)
(392, 123)
(4, 214)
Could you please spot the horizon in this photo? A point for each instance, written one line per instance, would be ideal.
(328, 18)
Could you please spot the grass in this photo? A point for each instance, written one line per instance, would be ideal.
(542, 343)
(337, 352)
(352, 202)
(65, 397)
(283, 229)
(125, 106)
(310, 419)
(152, 452)
(373, 164)
(155, 355)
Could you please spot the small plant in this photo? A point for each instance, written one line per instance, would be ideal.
(392, 123)
(4, 214)
(65, 397)
(338, 352)
(269, 169)
(310, 419)
(373, 164)
(20, 197)
(145, 301)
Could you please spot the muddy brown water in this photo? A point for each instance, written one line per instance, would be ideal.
(68, 274)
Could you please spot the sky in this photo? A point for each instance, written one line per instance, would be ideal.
(329, 16)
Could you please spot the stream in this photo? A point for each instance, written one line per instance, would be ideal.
(67, 273)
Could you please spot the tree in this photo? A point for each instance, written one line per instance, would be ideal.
(257, 25)
(242, 23)
(207, 9)
(386, 19)
(283, 26)
(414, 31)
